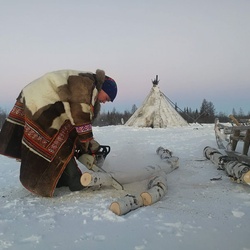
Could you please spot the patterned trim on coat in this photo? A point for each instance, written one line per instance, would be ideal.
(85, 132)
(17, 114)
(43, 145)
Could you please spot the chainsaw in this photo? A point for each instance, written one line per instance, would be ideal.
(95, 161)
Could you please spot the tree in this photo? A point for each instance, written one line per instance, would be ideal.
(207, 111)
(241, 113)
(234, 112)
(176, 106)
(134, 108)
(211, 109)
(204, 107)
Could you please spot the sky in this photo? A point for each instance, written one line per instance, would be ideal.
(199, 49)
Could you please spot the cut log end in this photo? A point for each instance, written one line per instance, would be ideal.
(86, 179)
(147, 198)
(246, 178)
(154, 194)
(115, 208)
(126, 204)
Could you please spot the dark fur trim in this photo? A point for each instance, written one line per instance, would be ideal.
(100, 78)
(97, 109)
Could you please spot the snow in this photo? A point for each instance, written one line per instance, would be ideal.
(196, 213)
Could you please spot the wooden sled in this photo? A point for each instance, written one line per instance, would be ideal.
(234, 139)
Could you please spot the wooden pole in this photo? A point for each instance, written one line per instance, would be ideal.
(234, 120)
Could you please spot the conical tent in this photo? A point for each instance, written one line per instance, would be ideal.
(156, 111)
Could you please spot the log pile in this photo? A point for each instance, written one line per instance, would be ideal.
(145, 192)
(238, 171)
(157, 188)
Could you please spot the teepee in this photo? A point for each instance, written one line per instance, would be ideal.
(156, 111)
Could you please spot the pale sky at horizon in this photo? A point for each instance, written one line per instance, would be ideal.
(199, 49)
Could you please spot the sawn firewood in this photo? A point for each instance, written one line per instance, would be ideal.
(156, 189)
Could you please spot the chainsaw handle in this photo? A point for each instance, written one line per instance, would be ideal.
(103, 150)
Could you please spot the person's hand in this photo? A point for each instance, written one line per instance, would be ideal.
(93, 146)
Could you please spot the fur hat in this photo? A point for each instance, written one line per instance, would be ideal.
(109, 87)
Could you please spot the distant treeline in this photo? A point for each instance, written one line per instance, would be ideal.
(205, 114)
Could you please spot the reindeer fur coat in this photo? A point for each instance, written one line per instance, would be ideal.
(50, 116)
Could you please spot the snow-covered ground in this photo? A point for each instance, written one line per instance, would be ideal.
(196, 213)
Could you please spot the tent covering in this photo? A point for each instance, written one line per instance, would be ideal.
(156, 112)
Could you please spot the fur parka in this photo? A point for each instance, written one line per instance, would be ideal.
(50, 116)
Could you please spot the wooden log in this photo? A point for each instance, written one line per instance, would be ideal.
(126, 204)
(153, 195)
(155, 180)
(213, 155)
(238, 171)
(164, 153)
(157, 189)
(96, 179)
(246, 178)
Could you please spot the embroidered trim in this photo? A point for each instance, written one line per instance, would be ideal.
(42, 144)
(17, 114)
(84, 129)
